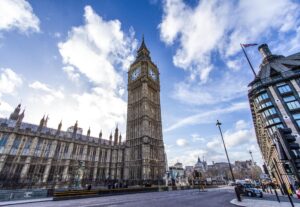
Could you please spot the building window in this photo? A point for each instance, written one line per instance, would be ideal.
(291, 102)
(284, 89)
(3, 141)
(265, 105)
(268, 112)
(261, 97)
(38, 148)
(15, 146)
(26, 148)
(273, 121)
(297, 118)
(293, 105)
(289, 99)
(47, 150)
(66, 151)
(57, 151)
(273, 128)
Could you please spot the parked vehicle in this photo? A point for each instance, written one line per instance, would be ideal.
(230, 183)
(250, 190)
(298, 193)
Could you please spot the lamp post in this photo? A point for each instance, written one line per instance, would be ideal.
(218, 124)
(250, 152)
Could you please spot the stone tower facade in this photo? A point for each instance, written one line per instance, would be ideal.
(144, 154)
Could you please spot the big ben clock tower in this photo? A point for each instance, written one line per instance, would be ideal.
(144, 154)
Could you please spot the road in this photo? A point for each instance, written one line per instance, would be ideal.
(186, 198)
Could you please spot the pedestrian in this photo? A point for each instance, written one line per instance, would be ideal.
(290, 191)
(292, 188)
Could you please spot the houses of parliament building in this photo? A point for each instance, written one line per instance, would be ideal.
(39, 156)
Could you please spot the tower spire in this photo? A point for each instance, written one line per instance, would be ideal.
(20, 118)
(143, 45)
(143, 53)
(89, 132)
(59, 128)
(41, 123)
(15, 115)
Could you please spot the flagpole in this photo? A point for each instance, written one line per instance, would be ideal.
(248, 60)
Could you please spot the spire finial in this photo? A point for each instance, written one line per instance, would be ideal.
(143, 46)
(89, 131)
(59, 126)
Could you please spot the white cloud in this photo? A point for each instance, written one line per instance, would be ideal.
(96, 54)
(238, 137)
(235, 64)
(195, 44)
(241, 124)
(227, 89)
(71, 73)
(9, 81)
(215, 143)
(97, 47)
(18, 14)
(5, 107)
(197, 137)
(207, 116)
(241, 134)
(212, 36)
(181, 142)
(212, 26)
(46, 93)
(187, 157)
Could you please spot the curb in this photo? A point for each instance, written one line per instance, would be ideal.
(8, 203)
(237, 203)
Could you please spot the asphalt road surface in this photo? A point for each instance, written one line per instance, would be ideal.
(186, 198)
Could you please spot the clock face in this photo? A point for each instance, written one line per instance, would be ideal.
(136, 73)
(152, 74)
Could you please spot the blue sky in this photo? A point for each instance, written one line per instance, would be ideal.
(69, 59)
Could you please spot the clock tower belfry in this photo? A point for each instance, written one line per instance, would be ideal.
(144, 153)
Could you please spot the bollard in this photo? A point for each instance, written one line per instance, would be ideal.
(238, 195)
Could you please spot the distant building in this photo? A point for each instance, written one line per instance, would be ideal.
(218, 172)
(274, 101)
(246, 170)
(176, 171)
(188, 171)
(200, 166)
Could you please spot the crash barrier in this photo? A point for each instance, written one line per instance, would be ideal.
(77, 194)
(24, 194)
(74, 194)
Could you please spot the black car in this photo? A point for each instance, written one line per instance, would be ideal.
(250, 190)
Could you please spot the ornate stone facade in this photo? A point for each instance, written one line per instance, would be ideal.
(145, 157)
(39, 156)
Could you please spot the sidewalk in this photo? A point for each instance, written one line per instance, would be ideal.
(6, 203)
(262, 203)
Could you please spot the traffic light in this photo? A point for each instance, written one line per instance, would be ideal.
(266, 171)
(288, 169)
(288, 143)
(291, 149)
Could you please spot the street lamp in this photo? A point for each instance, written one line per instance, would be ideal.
(250, 152)
(218, 124)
